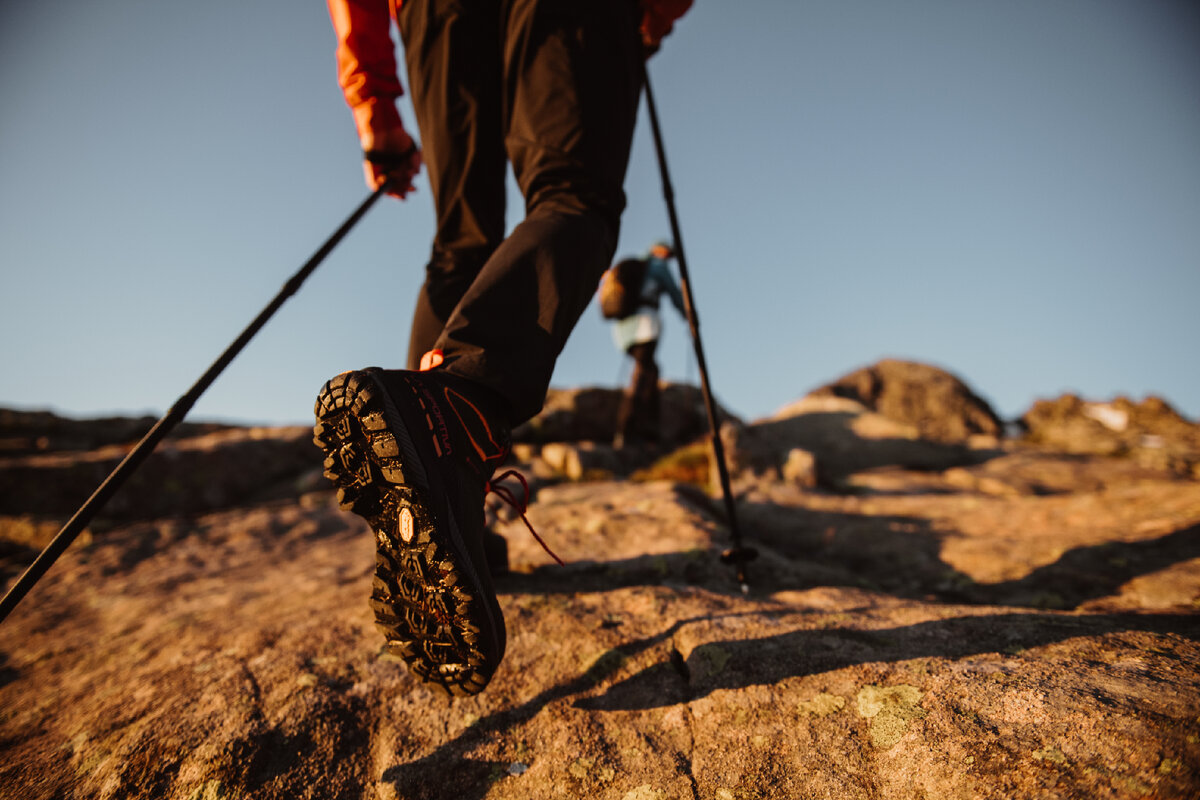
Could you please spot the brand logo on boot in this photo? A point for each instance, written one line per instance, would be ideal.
(436, 422)
(406, 525)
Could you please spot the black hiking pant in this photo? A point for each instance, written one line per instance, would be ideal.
(638, 419)
(552, 87)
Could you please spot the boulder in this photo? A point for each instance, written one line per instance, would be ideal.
(1150, 432)
(940, 406)
(582, 461)
(589, 414)
(839, 437)
(182, 475)
(800, 468)
(573, 415)
(25, 432)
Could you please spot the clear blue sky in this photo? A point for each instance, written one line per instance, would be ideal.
(1010, 190)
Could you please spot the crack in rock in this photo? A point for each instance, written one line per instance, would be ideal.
(680, 665)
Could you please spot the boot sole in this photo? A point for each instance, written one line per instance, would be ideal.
(427, 600)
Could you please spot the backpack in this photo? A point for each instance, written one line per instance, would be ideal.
(621, 288)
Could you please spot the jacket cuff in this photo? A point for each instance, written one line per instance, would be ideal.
(373, 117)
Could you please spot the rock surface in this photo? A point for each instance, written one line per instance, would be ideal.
(1008, 620)
(936, 403)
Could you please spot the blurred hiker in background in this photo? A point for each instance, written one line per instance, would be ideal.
(552, 88)
(637, 334)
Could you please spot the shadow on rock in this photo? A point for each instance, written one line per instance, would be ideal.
(892, 554)
(896, 554)
(268, 757)
(8, 673)
(688, 568)
(15, 557)
(1090, 573)
(769, 660)
(901, 556)
(432, 776)
(798, 549)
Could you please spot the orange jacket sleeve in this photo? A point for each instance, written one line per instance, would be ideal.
(366, 54)
(658, 17)
(366, 60)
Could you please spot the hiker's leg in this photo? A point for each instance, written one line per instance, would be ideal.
(453, 57)
(637, 400)
(650, 397)
(644, 390)
(626, 410)
(572, 76)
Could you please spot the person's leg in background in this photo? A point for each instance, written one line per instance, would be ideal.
(638, 418)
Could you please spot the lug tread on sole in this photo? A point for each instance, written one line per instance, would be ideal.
(421, 604)
(426, 614)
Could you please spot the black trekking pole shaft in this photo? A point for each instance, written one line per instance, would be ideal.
(738, 554)
(168, 422)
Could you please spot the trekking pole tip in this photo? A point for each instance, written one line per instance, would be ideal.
(739, 556)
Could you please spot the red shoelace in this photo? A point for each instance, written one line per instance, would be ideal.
(509, 496)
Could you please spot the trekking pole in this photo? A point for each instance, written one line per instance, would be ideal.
(172, 418)
(738, 554)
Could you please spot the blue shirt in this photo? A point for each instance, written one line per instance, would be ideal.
(645, 325)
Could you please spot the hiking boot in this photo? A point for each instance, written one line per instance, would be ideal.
(412, 453)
